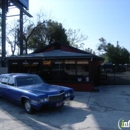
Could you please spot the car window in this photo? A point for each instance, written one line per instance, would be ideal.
(0, 78)
(4, 80)
(23, 81)
(11, 81)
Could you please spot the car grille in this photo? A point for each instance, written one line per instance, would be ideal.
(57, 98)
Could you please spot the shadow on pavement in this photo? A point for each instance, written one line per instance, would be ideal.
(46, 119)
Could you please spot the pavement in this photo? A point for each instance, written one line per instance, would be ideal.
(88, 111)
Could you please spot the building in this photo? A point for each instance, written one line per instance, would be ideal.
(61, 64)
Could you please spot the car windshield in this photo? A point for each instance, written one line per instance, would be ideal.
(31, 80)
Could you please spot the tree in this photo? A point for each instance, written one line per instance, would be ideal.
(12, 36)
(89, 50)
(114, 54)
(51, 31)
(56, 32)
(75, 37)
(28, 33)
(102, 47)
(46, 33)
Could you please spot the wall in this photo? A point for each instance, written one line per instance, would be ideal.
(96, 74)
(3, 70)
(48, 49)
(77, 86)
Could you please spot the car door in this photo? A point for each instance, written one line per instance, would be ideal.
(3, 86)
(11, 89)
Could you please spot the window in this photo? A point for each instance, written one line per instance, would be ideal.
(11, 81)
(66, 70)
(35, 67)
(24, 81)
(57, 70)
(0, 78)
(46, 70)
(14, 66)
(4, 80)
(26, 67)
(57, 65)
(70, 69)
(82, 70)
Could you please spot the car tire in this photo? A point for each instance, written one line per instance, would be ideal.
(27, 106)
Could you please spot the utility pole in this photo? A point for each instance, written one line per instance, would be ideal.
(4, 9)
(21, 31)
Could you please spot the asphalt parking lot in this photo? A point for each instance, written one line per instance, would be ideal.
(89, 111)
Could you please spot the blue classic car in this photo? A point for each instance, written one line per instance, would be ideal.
(32, 92)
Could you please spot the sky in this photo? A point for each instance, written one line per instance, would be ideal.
(109, 19)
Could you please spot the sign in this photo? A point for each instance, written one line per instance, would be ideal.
(25, 63)
(14, 63)
(35, 63)
(46, 62)
(58, 62)
(25, 3)
(122, 124)
(70, 62)
(82, 62)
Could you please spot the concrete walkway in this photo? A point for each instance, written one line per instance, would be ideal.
(89, 111)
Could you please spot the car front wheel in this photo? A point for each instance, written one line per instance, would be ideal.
(27, 106)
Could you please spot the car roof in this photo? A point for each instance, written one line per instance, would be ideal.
(17, 74)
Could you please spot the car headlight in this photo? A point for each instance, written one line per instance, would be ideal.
(43, 100)
(67, 94)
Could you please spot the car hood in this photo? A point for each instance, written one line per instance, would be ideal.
(44, 89)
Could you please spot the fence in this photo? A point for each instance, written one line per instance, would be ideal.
(118, 78)
(117, 75)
